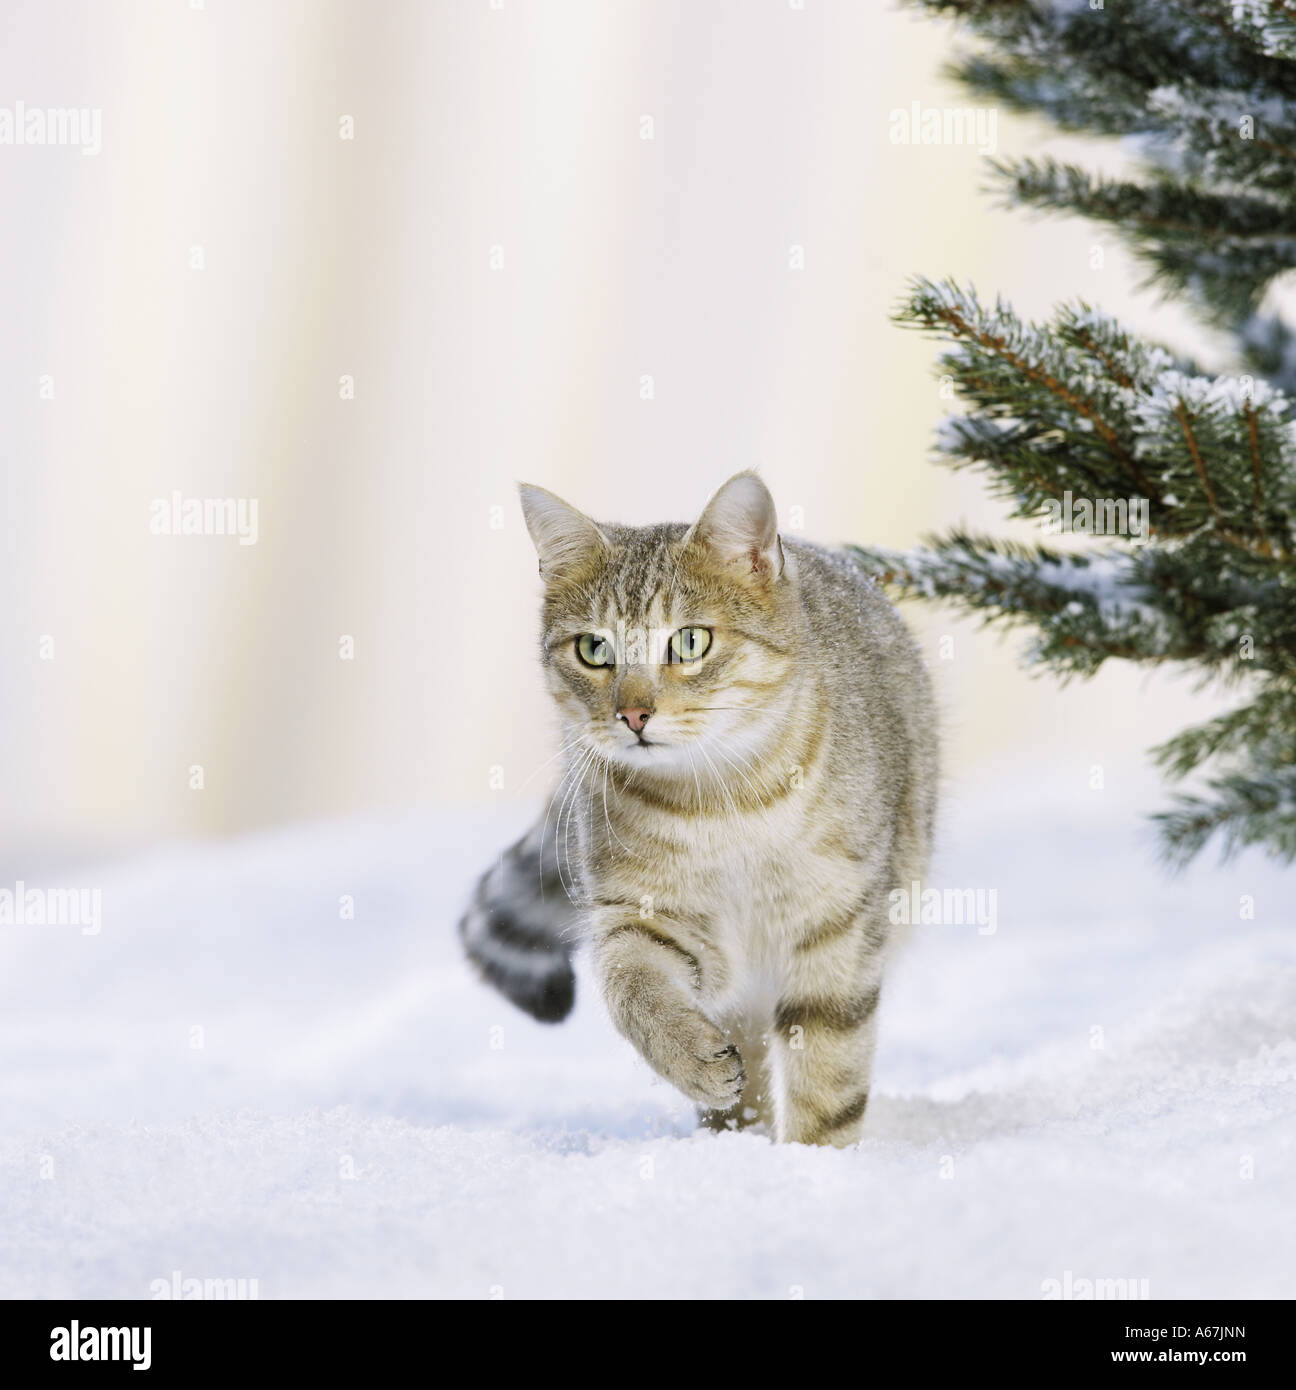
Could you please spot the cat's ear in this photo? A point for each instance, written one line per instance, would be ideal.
(740, 527)
(563, 536)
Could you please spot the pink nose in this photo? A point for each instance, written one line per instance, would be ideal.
(636, 717)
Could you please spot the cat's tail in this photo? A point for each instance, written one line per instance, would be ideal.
(518, 929)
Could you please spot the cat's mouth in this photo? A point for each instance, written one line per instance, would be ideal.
(638, 741)
(629, 748)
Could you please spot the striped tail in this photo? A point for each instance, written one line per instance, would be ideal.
(519, 929)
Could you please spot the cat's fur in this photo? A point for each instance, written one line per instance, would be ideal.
(733, 876)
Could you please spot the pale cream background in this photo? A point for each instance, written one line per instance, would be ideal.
(475, 127)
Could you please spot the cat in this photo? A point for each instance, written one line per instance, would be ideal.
(750, 752)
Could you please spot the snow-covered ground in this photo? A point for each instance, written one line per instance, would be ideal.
(232, 1080)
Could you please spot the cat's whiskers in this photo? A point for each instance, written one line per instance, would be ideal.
(608, 819)
(566, 747)
(749, 762)
(562, 781)
(762, 790)
(720, 752)
(696, 781)
(562, 840)
(720, 782)
(569, 806)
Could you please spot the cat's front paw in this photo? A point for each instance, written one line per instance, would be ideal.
(705, 1067)
(722, 1079)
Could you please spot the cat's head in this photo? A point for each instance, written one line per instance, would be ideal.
(668, 648)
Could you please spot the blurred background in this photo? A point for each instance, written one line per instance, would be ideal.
(369, 266)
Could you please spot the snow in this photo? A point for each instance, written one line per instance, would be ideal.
(353, 1125)
(1199, 394)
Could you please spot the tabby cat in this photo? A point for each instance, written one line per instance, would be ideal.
(750, 770)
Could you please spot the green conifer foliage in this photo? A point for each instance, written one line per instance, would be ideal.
(1077, 411)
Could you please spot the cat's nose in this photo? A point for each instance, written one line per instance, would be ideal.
(636, 716)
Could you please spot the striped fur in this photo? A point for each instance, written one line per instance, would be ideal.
(730, 864)
(518, 930)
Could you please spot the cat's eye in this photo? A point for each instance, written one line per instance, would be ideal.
(594, 650)
(689, 643)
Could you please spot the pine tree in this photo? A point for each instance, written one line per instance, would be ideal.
(1076, 413)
